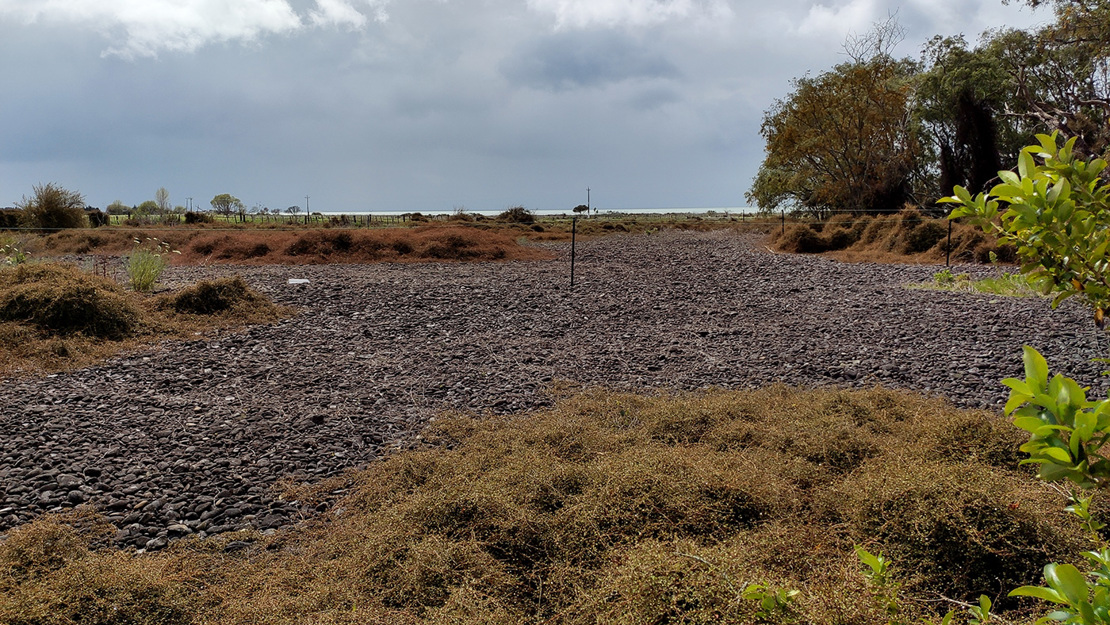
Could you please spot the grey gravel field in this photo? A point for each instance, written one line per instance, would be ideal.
(190, 437)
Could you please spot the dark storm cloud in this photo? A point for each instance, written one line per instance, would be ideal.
(569, 60)
(416, 104)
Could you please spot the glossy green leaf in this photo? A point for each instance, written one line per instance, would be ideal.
(1057, 455)
(1039, 592)
(1029, 424)
(1036, 368)
(1068, 581)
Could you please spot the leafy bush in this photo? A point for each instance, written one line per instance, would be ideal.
(192, 217)
(61, 299)
(54, 208)
(1057, 215)
(517, 215)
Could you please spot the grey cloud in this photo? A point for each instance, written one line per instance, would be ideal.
(568, 60)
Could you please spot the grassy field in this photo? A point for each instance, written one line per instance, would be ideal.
(607, 508)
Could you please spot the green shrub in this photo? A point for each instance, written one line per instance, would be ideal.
(54, 208)
(1056, 213)
(192, 217)
(61, 299)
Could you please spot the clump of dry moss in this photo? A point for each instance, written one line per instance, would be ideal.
(619, 508)
(63, 300)
(56, 316)
(220, 296)
(907, 233)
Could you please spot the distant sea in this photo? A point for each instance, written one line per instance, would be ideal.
(731, 210)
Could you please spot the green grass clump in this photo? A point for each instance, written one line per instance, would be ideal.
(1006, 284)
(619, 508)
(146, 263)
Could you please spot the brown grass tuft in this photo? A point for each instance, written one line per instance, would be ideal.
(898, 237)
(223, 296)
(56, 317)
(63, 300)
(632, 509)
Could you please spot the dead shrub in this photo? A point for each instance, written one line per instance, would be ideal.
(923, 236)
(61, 299)
(613, 507)
(956, 529)
(222, 295)
(801, 239)
(49, 574)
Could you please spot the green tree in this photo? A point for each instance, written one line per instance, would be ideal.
(149, 207)
(844, 140)
(1061, 72)
(118, 208)
(225, 204)
(963, 99)
(52, 207)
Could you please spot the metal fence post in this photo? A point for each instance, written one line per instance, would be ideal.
(573, 233)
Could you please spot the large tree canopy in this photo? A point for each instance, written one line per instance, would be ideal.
(873, 133)
(842, 141)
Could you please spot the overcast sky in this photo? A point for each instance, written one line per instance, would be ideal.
(419, 105)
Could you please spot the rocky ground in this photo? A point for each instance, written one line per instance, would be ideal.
(190, 438)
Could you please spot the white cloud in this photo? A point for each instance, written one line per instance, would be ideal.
(610, 13)
(855, 16)
(341, 13)
(146, 28)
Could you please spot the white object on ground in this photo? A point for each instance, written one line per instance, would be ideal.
(297, 281)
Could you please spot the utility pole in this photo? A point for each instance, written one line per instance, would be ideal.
(587, 200)
(306, 210)
(190, 209)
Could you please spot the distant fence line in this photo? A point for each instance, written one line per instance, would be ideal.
(178, 221)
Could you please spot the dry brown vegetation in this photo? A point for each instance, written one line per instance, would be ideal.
(56, 316)
(303, 246)
(907, 236)
(608, 508)
(452, 240)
